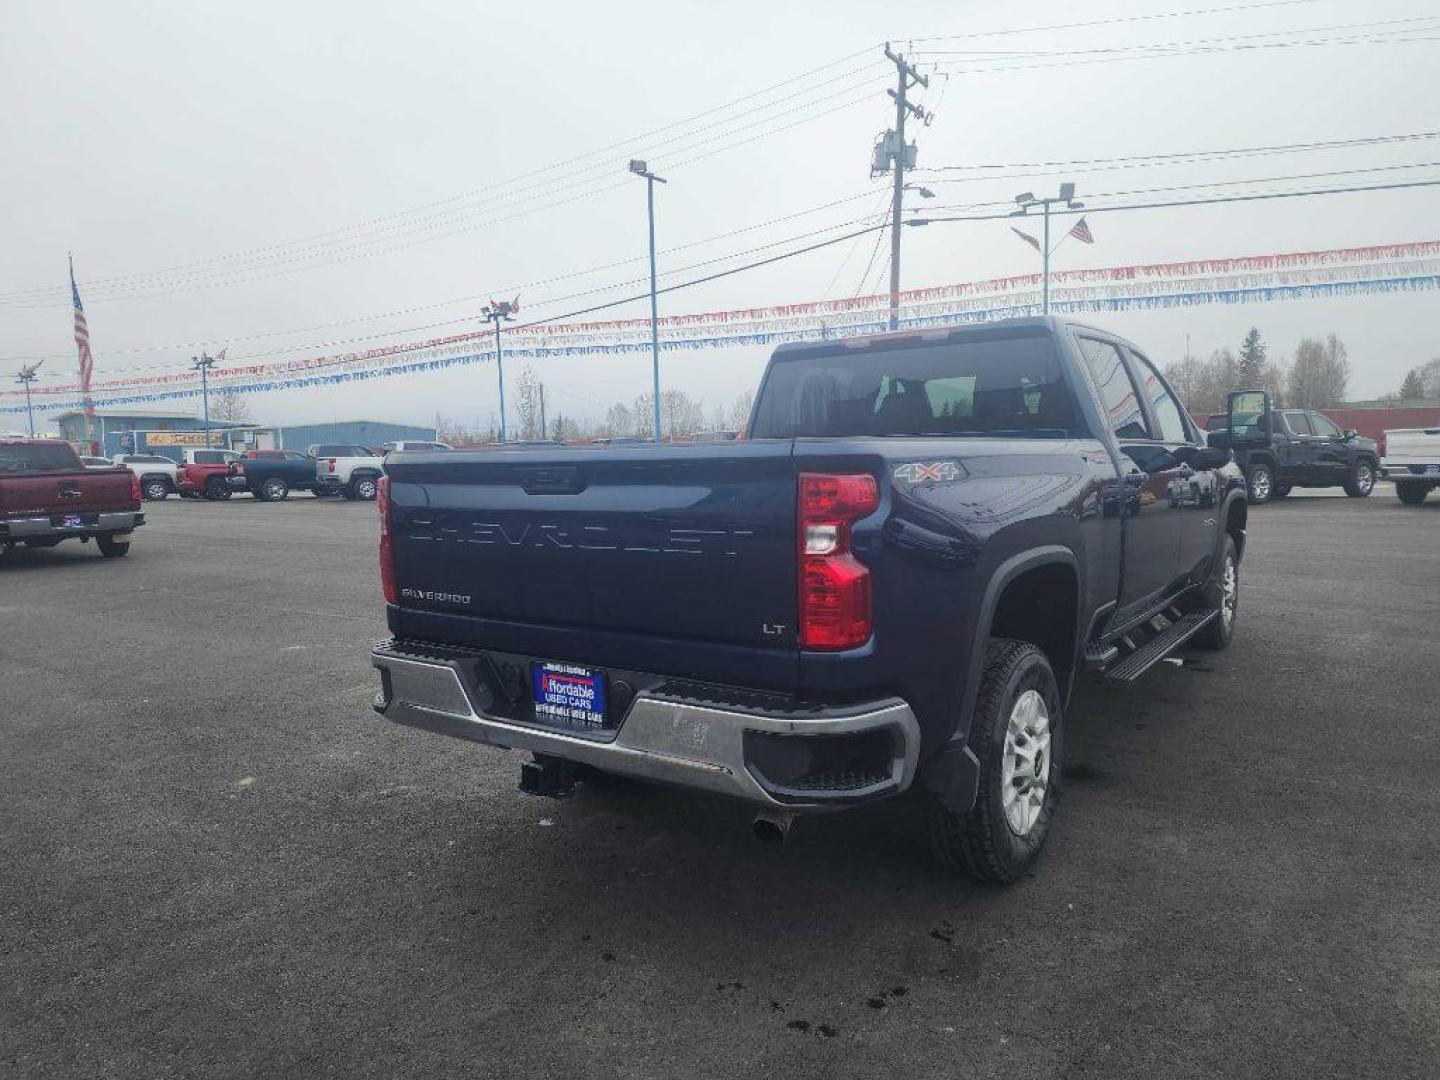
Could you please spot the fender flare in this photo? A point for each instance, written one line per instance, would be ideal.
(953, 774)
(1231, 498)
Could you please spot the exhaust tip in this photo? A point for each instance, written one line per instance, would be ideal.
(771, 829)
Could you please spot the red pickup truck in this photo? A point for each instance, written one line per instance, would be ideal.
(210, 474)
(46, 496)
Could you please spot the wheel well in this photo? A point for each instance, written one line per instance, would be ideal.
(1039, 606)
(1235, 518)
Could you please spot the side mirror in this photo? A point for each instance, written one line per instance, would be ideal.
(1350, 433)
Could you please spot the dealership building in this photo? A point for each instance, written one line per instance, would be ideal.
(147, 431)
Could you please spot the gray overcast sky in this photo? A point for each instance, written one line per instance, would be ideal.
(150, 136)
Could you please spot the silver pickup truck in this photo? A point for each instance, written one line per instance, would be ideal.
(1412, 461)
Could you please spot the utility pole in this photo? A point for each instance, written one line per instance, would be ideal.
(544, 429)
(498, 311)
(1026, 201)
(901, 157)
(639, 169)
(202, 364)
(25, 378)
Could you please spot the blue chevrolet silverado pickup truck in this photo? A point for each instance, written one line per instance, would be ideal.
(889, 586)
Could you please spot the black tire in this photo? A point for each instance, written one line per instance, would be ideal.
(1280, 491)
(982, 840)
(1361, 480)
(274, 489)
(216, 488)
(364, 487)
(110, 547)
(155, 488)
(1411, 492)
(1259, 483)
(1219, 630)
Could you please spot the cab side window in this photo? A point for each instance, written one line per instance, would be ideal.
(1162, 402)
(1298, 423)
(1323, 426)
(1117, 391)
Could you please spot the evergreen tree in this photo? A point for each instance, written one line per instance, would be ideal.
(1250, 368)
(1413, 388)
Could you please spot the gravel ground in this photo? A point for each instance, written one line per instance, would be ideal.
(216, 861)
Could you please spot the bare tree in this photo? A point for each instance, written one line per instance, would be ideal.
(229, 404)
(527, 404)
(1320, 373)
(741, 408)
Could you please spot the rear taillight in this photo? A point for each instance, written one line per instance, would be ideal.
(330, 465)
(135, 487)
(834, 585)
(387, 546)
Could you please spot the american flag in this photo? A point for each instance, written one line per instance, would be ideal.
(1081, 232)
(82, 342)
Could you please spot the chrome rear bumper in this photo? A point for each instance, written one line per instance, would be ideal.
(110, 522)
(664, 739)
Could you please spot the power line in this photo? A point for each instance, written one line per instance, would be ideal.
(1118, 20)
(276, 254)
(1145, 160)
(557, 321)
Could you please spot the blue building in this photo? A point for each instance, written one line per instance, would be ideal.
(372, 433)
(110, 424)
(122, 431)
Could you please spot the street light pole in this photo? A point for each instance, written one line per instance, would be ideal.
(639, 169)
(25, 378)
(498, 311)
(1027, 201)
(202, 364)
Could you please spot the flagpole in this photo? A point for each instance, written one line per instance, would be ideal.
(1045, 289)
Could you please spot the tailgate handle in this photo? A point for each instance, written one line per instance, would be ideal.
(67, 492)
(552, 480)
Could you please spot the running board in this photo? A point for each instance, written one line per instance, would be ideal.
(1159, 647)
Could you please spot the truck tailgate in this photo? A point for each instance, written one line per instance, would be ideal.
(685, 544)
(65, 493)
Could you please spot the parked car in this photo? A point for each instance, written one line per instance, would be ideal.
(1412, 460)
(47, 495)
(890, 585)
(1282, 449)
(157, 474)
(210, 474)
(410, 446)
(96, 462)
(347, 469)
(272, 474)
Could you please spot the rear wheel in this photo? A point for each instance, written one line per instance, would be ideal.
(156, 488)
(110, 547)
(363, 487)
(1361, 481)
(1016, 735)
(1411, 492)
(216, 488)
(1259, 483)
(1222, 593)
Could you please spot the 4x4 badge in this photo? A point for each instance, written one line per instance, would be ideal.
(916, 472)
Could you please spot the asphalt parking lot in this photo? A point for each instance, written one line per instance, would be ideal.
(216, 861)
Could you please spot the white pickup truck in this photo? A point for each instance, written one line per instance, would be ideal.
(345, 469)
(157, 474)
(1412, 460)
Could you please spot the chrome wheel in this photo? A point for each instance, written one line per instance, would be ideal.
(1025, 773)
(1364, 478)
(1229, 594)
(156, 490)
(365, 489)
(275, 489)
(1260, 485)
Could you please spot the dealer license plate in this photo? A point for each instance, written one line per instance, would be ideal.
(72, 521)
(568, 696)
(1432, 470)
